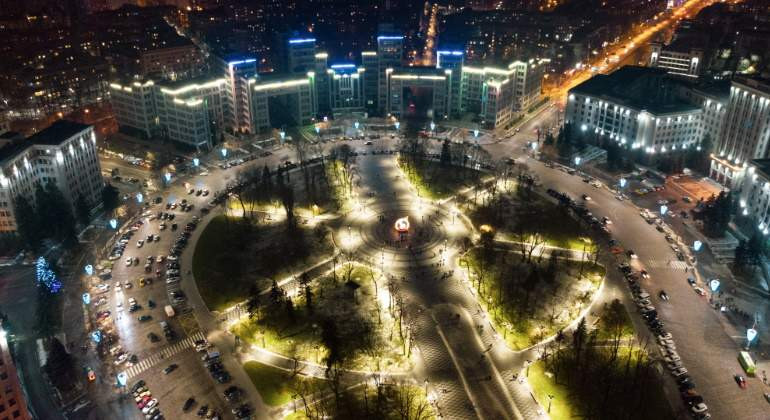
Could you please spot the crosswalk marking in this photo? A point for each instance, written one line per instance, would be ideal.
(165, 353)
(674, 265)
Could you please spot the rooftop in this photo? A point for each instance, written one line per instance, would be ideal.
(53, 135)
(641, 88)
(56, 132)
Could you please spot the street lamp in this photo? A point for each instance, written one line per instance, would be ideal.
(224, 152)
(714, 284)
(397, 124)
(550, 398)
(196, 162)
(577, 160)
(623, 183)
(356, 124)
(283, 135)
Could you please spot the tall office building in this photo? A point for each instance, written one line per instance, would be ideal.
(133, 104)
(745, 130)
(322, 83)
(452, 61)
(13, 405)
(390, 50)
(237, 70)
(300, 55)
(346, 88)
(64, 153)
(369, 62)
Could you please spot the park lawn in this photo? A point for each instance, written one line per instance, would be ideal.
(543, 386)
(299, 334)
(435, 182)
(558, 302)
(276, 386)
(627, 330)
(400, 401)
(227, 261)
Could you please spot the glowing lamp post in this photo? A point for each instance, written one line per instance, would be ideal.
(89, 269)
(476, 133)
(663, 210)
(224, 152)
(356, 124)
(577, 160)
(751, 334)
(432, 126)
(283, 136)
(96, 336)
(623, 183)
(167, 176)
(196, 162)
(139, 198)
(122, 379)
(317, 130)
(697, 245)
(397, 124)
(113, 223)
(714, 284)
(86, 298)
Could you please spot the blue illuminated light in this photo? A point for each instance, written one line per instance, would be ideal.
(89, 269)
(196, 161)
(343, 66)
(86, 298)
(235, 63)
(113, 223)
(301, 40)
(450, 53)
(389, 38)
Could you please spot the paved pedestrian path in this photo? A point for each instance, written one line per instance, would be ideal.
(165, 353)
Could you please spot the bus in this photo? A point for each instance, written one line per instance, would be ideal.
(747, 363)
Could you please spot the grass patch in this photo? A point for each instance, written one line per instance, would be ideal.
(520, 213)
(543, 385)
(234, 254)
(434, 181)
(387, 401)
(276, 386)
(599, 382)
(614, 322)
(344, 310)
(530, 299)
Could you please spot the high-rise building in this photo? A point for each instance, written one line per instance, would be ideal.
(390, 50)
(369, 61)
(452, 61)
(13, 404)
(527, 81)
(346, 88)
(133, 104)
(237, 70)
(636, 107)
(300, 55)
(745, 130)
(64, 153)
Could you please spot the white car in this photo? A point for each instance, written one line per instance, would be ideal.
(140, 243)
(666, 336)
(152, 403)
(160, 258)
(679, 372)
(672, 359)
(129, 261)
(699, 408)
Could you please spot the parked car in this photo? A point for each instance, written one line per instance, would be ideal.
(170, 368)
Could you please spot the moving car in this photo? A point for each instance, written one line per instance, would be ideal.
(663, 295)
(170, 368)
(740, 380)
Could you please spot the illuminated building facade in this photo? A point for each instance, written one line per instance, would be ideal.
(745, 131)
(635, 107)
(347, 90)
(297, 95)
(64, 153)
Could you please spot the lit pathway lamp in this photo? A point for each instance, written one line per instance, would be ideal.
(433, 128)
(113, 223)
(397, 124)
(223, 151)
(697, 245)
(318, 131)
(283, 136)
(751, 334)
(663, 210)
(196, 162)
(622, 182)
(577, 160)
(89, 269)
(714, 285)
(167, 177)
(122, 379)
(86, 298)
(356, 124)
(139, 198)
